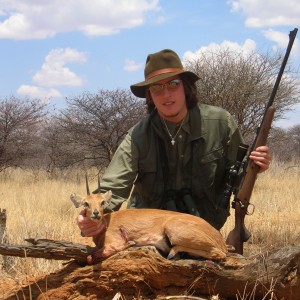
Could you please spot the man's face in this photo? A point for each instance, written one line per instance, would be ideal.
(169, 98)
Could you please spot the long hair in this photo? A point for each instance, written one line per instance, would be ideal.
(190, 90)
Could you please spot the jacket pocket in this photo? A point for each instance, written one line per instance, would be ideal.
(211, 167)
(149, 184)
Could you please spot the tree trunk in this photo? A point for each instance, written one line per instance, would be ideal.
(140, 272)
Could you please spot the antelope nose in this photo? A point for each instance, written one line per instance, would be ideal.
(96, 212)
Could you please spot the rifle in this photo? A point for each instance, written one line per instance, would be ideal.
(242, 194)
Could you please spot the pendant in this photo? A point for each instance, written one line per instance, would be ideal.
(173, 142)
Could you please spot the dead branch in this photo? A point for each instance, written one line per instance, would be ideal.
(140, 271)
(49, 249)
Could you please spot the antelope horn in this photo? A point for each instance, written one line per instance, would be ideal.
(87, 185)
(99, 188)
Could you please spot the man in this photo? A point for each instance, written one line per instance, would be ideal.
(178, 156)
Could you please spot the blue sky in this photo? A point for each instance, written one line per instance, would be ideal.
(60, 48)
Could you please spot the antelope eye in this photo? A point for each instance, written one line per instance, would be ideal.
(86, 205)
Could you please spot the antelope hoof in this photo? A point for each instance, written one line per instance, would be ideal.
(131, 243)
(173, 256)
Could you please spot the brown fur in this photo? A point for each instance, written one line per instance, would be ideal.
(171, 232)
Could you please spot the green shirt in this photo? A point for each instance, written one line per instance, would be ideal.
(197, 163)
(175, 153)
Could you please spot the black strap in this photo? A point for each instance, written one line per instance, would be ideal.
(163, 162)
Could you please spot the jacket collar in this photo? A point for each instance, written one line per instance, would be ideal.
(197, 127)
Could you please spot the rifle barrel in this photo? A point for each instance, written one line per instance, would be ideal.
(292, 37)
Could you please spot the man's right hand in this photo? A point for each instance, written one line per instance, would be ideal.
(87, 226)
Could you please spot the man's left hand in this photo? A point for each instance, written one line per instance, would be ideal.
(262, 157)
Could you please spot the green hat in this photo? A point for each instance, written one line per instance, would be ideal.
(160, 65)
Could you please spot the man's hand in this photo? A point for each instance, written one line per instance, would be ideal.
(261, 156)
(89, 227)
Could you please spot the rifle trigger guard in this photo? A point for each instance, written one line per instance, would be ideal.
(251, 211)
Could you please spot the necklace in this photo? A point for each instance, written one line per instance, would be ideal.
(176, 133)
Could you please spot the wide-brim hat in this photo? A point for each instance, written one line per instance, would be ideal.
(161, 65)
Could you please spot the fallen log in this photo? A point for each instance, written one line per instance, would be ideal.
(49, 249)
(144, 273)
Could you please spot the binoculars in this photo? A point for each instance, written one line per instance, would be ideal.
(180, 201)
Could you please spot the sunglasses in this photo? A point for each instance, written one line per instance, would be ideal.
(170, 85)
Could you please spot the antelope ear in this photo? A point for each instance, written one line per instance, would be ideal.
(77, 200)
(106, 198)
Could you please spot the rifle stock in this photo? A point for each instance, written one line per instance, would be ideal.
(240, 233)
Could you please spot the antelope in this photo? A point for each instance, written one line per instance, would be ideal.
(168, 231)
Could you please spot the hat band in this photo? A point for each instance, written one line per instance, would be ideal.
(162, 71)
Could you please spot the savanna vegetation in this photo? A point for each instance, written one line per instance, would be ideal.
(39, 207)
(45, 154)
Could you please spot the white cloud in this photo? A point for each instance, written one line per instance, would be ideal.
(54, 73)
(132, 66)
(246, 48)
(33, 19)
(276, 36)
(38, 92)
(268, 13)
(281, 39)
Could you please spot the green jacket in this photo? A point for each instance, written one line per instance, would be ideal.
(210, 150)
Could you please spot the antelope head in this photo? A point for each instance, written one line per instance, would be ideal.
(93, 203)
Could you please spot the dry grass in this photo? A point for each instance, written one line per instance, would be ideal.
(276, 218)
(40, 207)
